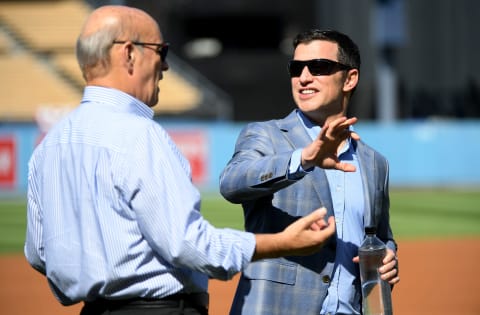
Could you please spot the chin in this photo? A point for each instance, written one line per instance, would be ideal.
(308, 106)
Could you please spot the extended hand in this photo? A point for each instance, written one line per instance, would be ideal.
(322, 152)
(308, 234)
(305, 236)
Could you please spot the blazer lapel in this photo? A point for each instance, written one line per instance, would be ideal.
(367, 165)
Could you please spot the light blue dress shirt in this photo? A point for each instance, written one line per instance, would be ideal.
(346, 189)
(112, 211)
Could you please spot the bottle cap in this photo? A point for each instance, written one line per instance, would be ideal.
(370, 230)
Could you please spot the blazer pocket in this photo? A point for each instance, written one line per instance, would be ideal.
(276, 271)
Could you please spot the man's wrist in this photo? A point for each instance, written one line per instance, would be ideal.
(296, 170)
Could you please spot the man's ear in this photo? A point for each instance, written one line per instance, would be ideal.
(130, 57)
(351, 80)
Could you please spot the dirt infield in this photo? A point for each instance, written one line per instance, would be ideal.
(437, 278)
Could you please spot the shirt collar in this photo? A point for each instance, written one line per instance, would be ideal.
(120, 100)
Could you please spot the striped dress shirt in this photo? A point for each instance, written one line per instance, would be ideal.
(112, 212)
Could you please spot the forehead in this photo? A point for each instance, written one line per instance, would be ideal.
(316, 49)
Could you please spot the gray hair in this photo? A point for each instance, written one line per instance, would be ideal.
(93, 50)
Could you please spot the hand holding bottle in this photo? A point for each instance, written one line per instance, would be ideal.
(376, 290)
(389, 270)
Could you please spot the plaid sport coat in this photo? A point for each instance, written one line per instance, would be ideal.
(256, 177)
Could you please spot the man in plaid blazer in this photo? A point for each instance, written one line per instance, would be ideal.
(280, 171)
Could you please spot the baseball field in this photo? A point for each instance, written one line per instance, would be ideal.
(438, 232)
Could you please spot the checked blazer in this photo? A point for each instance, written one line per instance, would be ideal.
(256, 177)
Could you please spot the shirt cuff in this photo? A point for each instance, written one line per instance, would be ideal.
(295, 169)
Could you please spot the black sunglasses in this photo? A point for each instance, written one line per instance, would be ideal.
(161, 49)
(315, 66)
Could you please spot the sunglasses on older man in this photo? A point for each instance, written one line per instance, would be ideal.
(315, 67)
(160, 48)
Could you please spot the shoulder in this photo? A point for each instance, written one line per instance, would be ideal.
(368, 153)
(272, 124)
(365, 148)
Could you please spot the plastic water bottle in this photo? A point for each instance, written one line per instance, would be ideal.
(376, 293)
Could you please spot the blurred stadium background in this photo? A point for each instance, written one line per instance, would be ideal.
(418, 101)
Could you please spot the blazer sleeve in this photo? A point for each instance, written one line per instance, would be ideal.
(258, 167)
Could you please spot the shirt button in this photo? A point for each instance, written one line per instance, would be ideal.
(326, 279)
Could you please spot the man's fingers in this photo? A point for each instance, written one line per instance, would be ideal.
(339, 129)
(331, 225)
(394, 280)
(316, 215)
(316, 221)
(346, 167)
(343, 122)
(319, 225)
(354, 136)
(351, 121)
(390, 256)
(338, 122)
(391, 276)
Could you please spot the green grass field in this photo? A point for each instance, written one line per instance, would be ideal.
(415, 213)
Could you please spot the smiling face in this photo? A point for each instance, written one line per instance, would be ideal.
(322, 97)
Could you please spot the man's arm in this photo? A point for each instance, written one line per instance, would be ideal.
(34, 248)
(259, 167)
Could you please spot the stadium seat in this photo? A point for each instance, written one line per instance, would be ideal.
(47, 67)
(45, 26)
(27, 85)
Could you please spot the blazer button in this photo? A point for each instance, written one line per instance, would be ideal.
(326, 279)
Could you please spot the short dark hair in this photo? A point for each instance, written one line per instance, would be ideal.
(348, 52)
